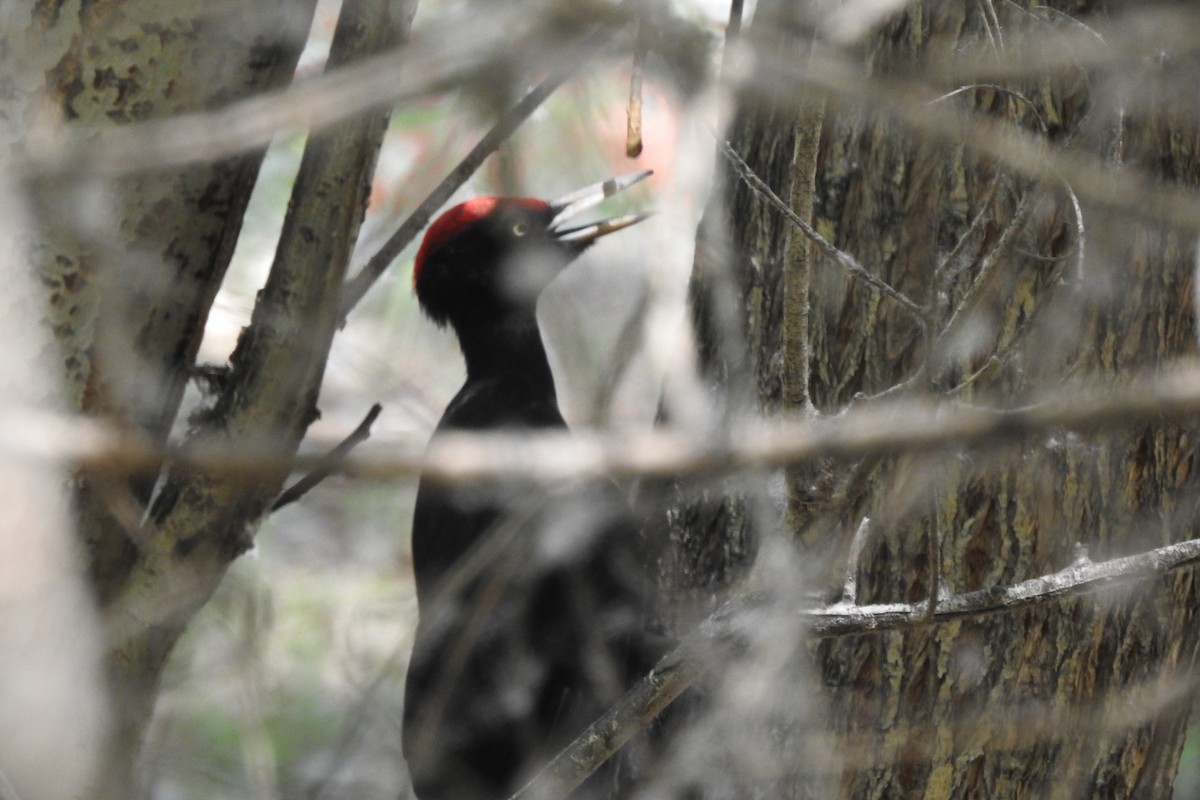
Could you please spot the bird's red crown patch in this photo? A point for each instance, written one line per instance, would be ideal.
(461, 217)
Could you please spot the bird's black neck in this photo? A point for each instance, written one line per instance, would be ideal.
(507, 344)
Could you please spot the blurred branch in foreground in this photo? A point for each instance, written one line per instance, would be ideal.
(872, 428)
(915, 104)
(442, 59)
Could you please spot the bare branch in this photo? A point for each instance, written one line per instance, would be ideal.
(633, 132)
(331, 461)
(949, 267)
(670, 677)
(1120, 39)
(986, 274)
(1080, 578)
(850, 583)
(733, 28)
(1080, 234)
(1012, 94)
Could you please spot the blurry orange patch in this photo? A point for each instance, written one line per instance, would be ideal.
(382, 193)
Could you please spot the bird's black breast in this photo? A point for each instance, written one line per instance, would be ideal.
(448, 520)
(533, 603)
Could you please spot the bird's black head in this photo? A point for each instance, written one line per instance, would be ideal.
(493, 255)
(471, 257)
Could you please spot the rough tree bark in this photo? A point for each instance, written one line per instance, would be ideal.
(131, 268)
(1078, 698)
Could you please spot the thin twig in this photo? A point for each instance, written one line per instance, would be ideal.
(992, 20)
(986, 275)
(947, 268)
(850, 584)
(330, 462)
(1052, 12)
(933, 544)
(1080, 234)
(841, 257)
(993, 363)
(733, 34)
(995, 87)
(633, 712)
(633, 129)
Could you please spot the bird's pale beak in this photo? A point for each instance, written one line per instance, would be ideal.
(574, 203)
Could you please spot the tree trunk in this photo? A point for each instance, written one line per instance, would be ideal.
(132, 266)
(1075, 698)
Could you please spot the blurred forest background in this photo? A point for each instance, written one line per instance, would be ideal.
(940, 261)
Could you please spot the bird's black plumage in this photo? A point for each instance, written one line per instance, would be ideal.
(533, 602)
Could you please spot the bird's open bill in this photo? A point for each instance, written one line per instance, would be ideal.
(571, 205)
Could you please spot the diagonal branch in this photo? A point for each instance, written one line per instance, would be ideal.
(718, 638)
(840, 257)
(986, 275)
(373, 270)
(329, 462)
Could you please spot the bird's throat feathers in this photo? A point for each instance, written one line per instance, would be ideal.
(512, 343)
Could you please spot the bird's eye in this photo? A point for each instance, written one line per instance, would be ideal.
(520, 228)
